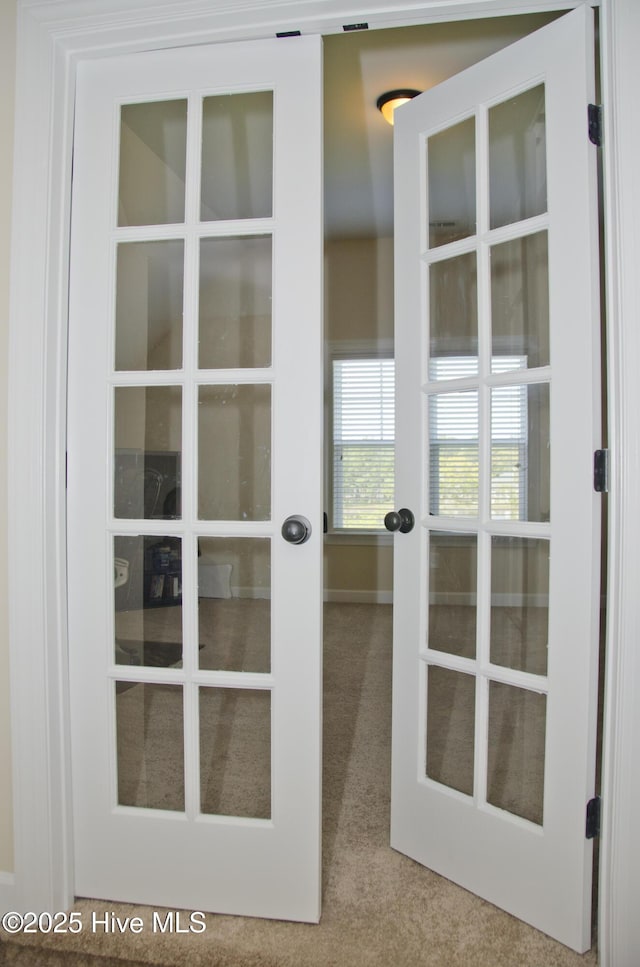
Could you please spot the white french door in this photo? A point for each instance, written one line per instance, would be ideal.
(496, 588)
(195, 414)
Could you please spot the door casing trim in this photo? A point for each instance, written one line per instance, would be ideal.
(52, 38)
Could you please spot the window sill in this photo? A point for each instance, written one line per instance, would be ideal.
(359, 538)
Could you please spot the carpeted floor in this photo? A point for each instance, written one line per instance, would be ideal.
(380, 909)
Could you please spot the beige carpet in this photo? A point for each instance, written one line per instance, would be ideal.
(380, 909)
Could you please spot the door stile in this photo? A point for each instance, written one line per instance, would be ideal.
(484, 459)
(189, 467)
(482, 658)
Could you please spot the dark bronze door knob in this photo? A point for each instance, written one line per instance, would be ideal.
(401, 520)
(296, 529)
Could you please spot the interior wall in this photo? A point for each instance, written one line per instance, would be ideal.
(7, 86)
(358, 307)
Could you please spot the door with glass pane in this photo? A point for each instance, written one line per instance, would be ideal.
(496, 588)
(194, 432)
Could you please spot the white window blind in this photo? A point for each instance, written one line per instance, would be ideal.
(453, 443)
(509, 457)
(363, 442)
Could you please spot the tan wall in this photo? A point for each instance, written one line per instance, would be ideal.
(519, 567)
(358, 306)
(354, 568)
(359, 289)
(7, 85)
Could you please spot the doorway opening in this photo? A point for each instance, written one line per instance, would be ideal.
(359, 559)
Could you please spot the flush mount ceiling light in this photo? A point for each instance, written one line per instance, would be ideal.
(387, 103)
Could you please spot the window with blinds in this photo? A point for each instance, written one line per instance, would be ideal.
(454, 443)
(363, 442)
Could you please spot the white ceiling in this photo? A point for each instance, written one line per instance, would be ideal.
(358, 67)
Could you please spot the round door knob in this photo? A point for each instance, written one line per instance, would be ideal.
(401, 520)
(296, 529)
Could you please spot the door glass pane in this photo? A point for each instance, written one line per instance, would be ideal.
(148, 444)
(453, 566)
(234, 468)
(234, 603)
(520, 603)
(235, 752)
(453, 318)
(149, 305)
(520, 453)
(363, 430)
(451, 702)
(453, 454)
(517, 725)
(149, 725)
(451, 166)
(237, 156)
(235, 302)
(153, 152)
(520, 303)
(517, 158)
(148, 601)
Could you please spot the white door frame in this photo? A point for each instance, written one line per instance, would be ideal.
(52, 36)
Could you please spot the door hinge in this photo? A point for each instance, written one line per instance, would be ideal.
(601, 471)
(595, 124)
(359, 26)
(593, 817)
(288, 33)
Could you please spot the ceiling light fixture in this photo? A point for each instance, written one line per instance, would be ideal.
(387, 103)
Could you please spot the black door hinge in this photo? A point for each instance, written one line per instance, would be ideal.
(288, 33)
(593, 817)
(595, 124)
(601, 471)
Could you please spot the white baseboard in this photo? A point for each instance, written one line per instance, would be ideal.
(446, 597)
(352, 596)
(263, 594)
(358, 597)
(468, 598)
